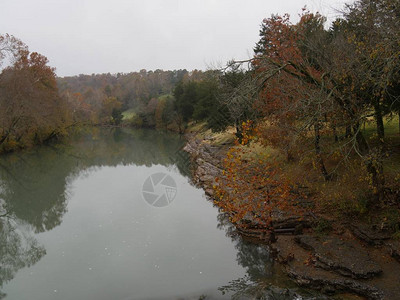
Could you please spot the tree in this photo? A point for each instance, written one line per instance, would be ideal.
(185, 99)
(10, 47)
(206, 98)
(159, 113)
(253, 191)
(116, 115)
(314, 81)
(32, 111)
(168, 111)
(111, 108)
(239, 91)
(372, 30)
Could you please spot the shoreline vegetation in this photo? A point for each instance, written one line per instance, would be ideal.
(332, 253)
(299, 145)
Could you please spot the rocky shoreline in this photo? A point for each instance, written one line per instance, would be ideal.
(352, 258)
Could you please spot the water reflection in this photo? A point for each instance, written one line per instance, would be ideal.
(264, 279)
(35, 188)
(34, 185)
(18, 249)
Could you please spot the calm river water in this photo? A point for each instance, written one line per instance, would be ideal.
(75, 224)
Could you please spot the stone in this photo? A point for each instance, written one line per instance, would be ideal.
(209, 192)
(330, 285)
(347, 258)
(394, 249)
(206, 178)
(369, 235)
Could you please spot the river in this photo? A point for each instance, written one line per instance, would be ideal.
(112, 214)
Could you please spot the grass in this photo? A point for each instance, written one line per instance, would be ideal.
(391, 127)
(197, 127)
(128, 114)
(226, 137)
(166, 96)
(392, 141)
(223, 138)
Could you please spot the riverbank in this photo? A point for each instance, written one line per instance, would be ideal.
(350, 257)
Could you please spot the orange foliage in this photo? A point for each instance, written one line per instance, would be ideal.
(253, 189)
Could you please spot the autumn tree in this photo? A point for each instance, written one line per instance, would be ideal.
(313, 82)
(164, 112)
(133, 90)
(253, 189)
(371, 28)
(10, 47)
(32, 111)
(111, 110)
(80, 111)
(320, 86)
(159, 113)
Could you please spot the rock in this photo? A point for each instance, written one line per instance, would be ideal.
(281, 222)
(206, 161)
(200, 171)
(347, 258)
(257, 234)
(369, 235)
(206, 178)
(298, 229)
(301, 269)
(209, 192)
(394, 249)
(332, 285)
(329, 289)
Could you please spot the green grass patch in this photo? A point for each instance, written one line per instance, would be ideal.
(197, 127)
(223, 138)
(165, 96)
(391, 127)
(128, 114)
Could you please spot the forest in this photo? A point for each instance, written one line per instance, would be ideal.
(315, 111)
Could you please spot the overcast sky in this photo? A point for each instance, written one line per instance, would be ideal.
(99, 36)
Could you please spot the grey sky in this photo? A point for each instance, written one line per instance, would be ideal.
(97, 36)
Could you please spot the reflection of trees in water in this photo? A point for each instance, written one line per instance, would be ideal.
(255, 258)
(264, 278)
(34, 192)
(17, 250)
(34, 185)
(112, 147)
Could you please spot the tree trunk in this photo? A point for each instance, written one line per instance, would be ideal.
(375, 169)
(380, 128)
(348, 132)
(4, 137)
(361, 142)
(373, 163)
(335, 133)
(376, 165)
(317, 145)
(239, 133)
(10, 129)
(289, 155)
